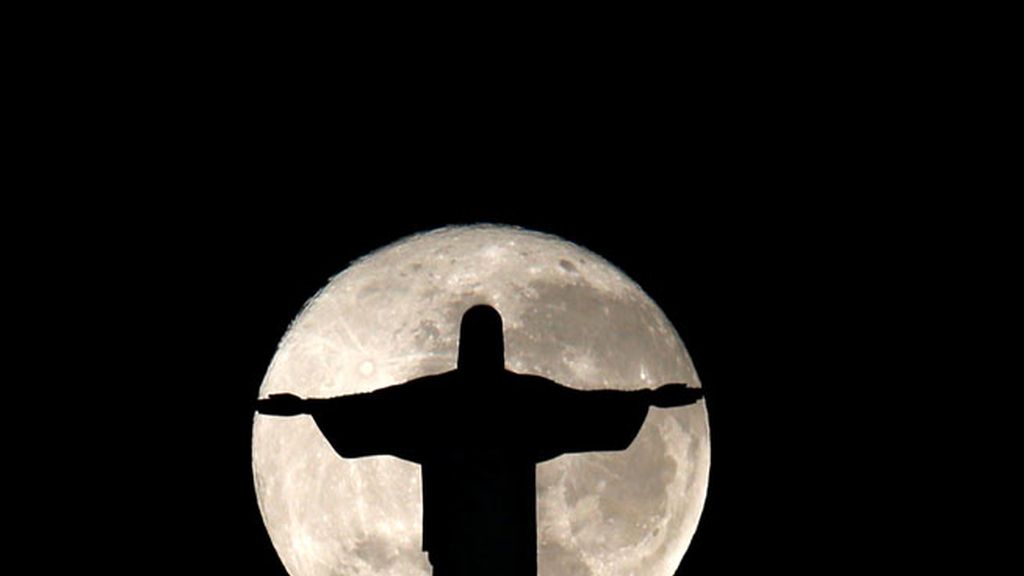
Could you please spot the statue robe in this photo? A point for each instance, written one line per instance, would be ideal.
(478, 440)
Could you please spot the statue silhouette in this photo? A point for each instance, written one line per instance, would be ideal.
(478, 433)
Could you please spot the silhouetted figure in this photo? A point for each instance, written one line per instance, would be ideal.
(478, 433)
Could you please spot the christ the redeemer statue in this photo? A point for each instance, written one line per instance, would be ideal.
(478, 433)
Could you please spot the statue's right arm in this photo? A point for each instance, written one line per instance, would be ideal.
(672, 395)
(407, 395)
(387, 421)
(282, 405)
(292, 405)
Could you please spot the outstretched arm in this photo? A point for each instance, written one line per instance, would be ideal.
(388, 421)
(284, 405)
(601, 420)
(672, 395)
(356, 425)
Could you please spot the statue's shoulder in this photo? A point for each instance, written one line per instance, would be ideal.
(431, 380)
(532, 380)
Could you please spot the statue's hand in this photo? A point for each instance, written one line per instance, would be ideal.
(280, 405)
(671, 395)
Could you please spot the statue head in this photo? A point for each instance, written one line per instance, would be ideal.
(481, 340)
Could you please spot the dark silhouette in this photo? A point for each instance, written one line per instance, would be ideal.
(478, 433)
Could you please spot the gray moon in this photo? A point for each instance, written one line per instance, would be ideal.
(394, 315)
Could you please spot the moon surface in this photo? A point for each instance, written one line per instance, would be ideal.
(394, 315)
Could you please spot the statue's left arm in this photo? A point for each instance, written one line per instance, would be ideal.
(603, 420)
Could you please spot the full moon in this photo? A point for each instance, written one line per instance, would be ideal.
(394, 315)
